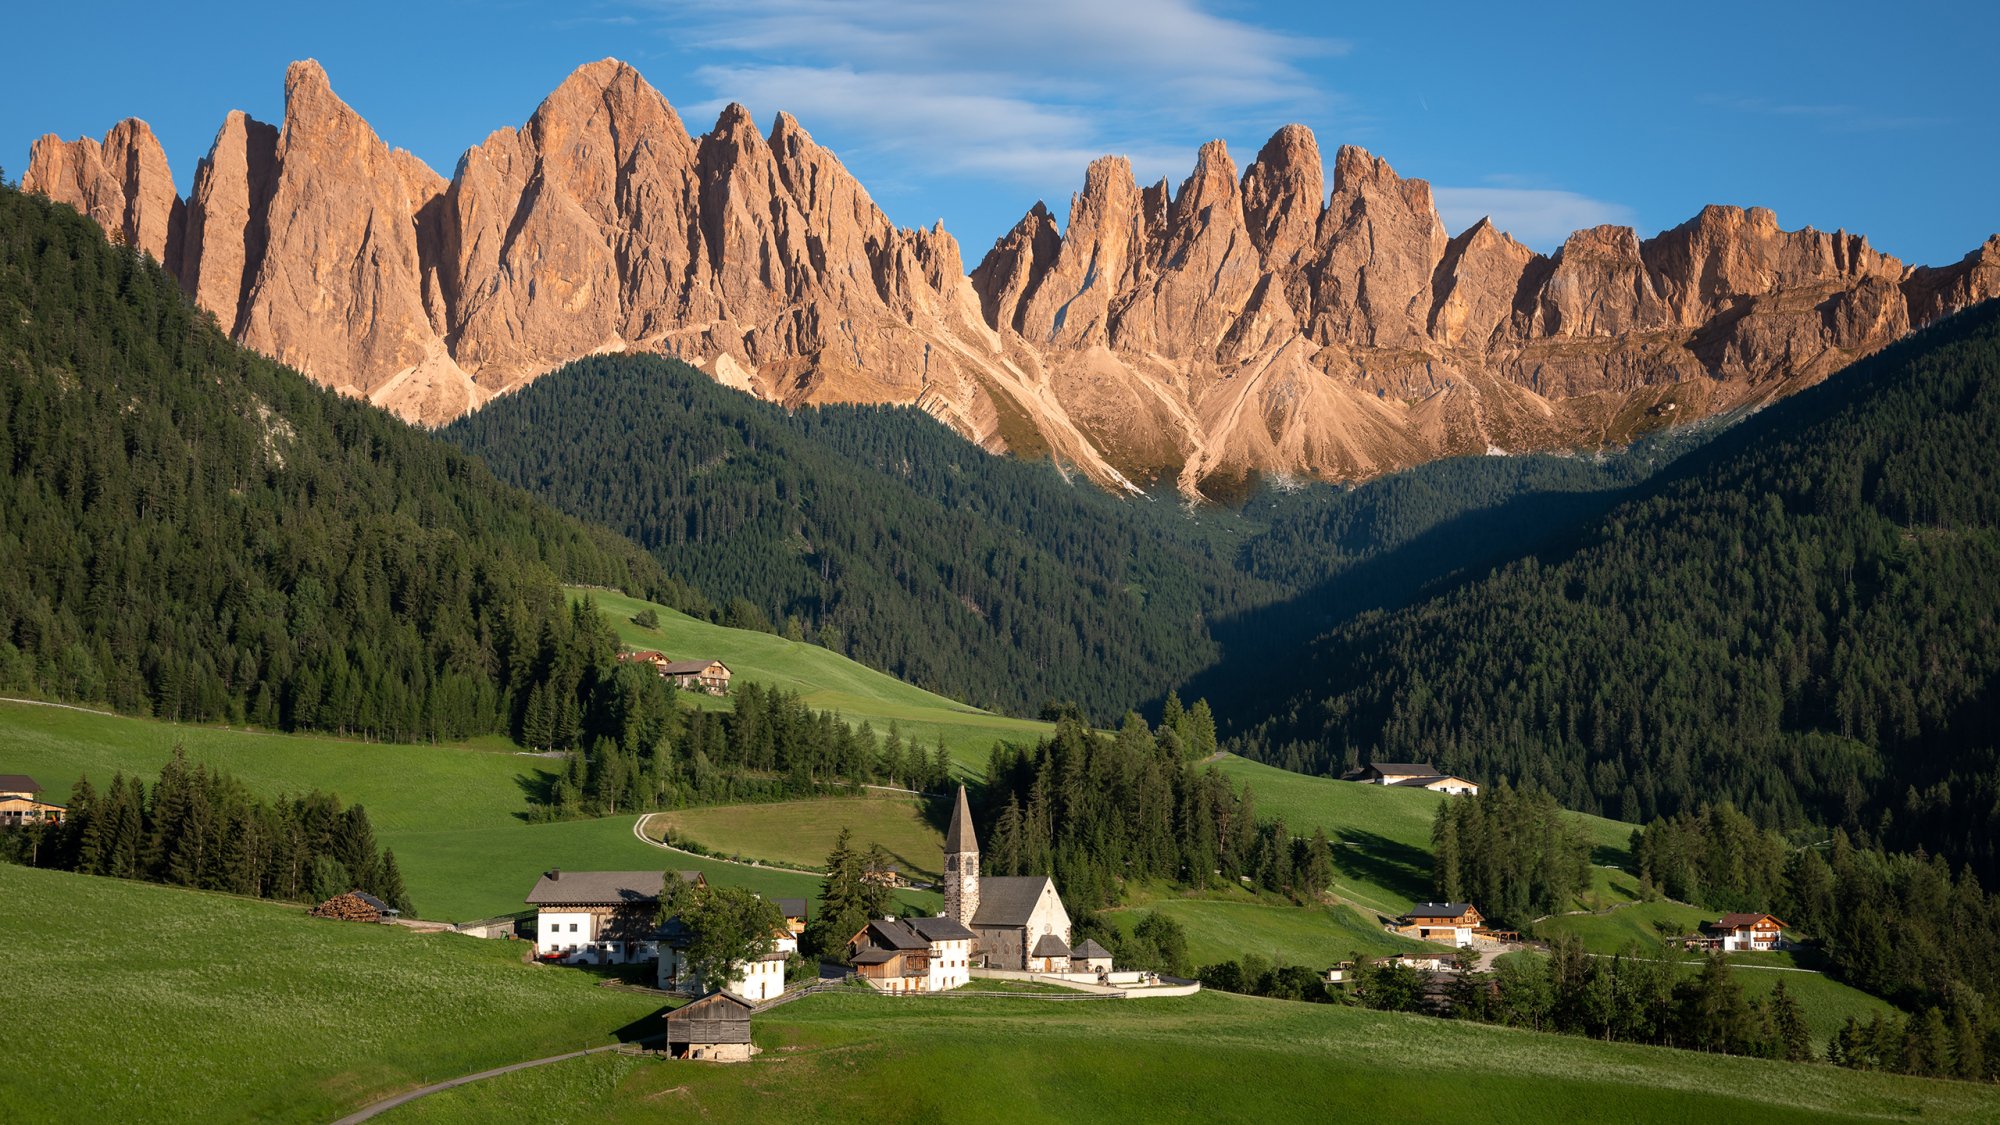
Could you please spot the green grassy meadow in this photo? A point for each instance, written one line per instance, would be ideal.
(1382, 834)
(135, 1002)
(450, 812)
(1226, 928)
(1210, 1057)
(825, 679)
(801, 833)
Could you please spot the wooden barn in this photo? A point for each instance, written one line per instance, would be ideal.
(715, 1027)
(711, 676)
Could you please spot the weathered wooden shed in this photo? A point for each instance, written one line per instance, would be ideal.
(715, 1027)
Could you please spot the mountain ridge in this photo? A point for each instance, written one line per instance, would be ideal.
(1242, 324)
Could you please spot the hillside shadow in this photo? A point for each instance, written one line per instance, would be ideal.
(1241, 688)
(537, 788)
(1369, 858)
(647, 1027)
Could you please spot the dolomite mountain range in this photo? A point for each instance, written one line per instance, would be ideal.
(1241, 323)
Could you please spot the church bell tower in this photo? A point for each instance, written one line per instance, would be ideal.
(961, 866)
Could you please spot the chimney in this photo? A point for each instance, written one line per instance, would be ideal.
(555, 874)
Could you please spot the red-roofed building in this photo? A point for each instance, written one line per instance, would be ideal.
(1733, 933)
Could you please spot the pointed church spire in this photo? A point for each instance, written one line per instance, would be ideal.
(960, 839)
(961, 865)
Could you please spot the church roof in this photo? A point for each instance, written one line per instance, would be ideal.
(960, 837)
(1089, 950)
(1049, 945)
(1009, 900)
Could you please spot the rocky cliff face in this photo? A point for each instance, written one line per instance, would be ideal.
(1239, 323)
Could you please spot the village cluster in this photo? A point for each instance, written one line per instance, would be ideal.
(993, 926)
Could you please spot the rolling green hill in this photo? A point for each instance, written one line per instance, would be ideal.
(824, 679)
(451, 813)
(1382, 833)
(802, 833)
(1209, 1057)
(149, 1003)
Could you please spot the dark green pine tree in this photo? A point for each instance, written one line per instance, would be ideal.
(388, 884)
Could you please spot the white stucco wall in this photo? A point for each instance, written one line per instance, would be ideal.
(559, 931)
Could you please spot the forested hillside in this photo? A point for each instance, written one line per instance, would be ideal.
(880, 533)
(1799, 618)
(192, 531)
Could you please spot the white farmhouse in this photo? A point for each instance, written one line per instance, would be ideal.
(599, 917)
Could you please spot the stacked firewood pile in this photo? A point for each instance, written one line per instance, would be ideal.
(346, 908)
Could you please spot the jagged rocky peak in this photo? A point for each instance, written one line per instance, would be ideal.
(123, 182)
(1264, 322)
(1283, 193)
(1477, 284)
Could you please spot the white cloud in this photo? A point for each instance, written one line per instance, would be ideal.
(1537, 217)
(1025, 92)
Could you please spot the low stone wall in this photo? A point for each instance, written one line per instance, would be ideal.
(1127, 984)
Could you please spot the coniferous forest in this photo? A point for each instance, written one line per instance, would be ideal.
(197, 533)
(881, 534)
(1799, 618)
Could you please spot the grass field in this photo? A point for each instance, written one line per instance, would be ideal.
(448, 811)
(801, 833)
(1226, 928)
(132, 1002)
(1212, 1057)
(825, 679)
(1382, 854)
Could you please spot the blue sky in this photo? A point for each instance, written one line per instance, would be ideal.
(1874, 117)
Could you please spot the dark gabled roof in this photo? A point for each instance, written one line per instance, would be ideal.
(1439, 910)
(689, 667)
(374, 903)
(792, 907)
(1008, 900)
(602, 888)
(960, 837)
(892, 934)
(1049, 945)
(1737, 921)
(718, 1005)
(1089, 950)
(940, 929)
(876, 956)
(1424, 768)
(18, 783)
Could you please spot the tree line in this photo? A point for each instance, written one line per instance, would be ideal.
(198, 827)
(1094, 810)
(769, 746)
(1510, 852)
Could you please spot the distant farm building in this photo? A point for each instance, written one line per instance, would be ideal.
(715, 1027)
(1414, 775)
(711, 676)
(599, 917)
(1451, 923)
(795, 911)
(1735, 933)
(21, 802)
